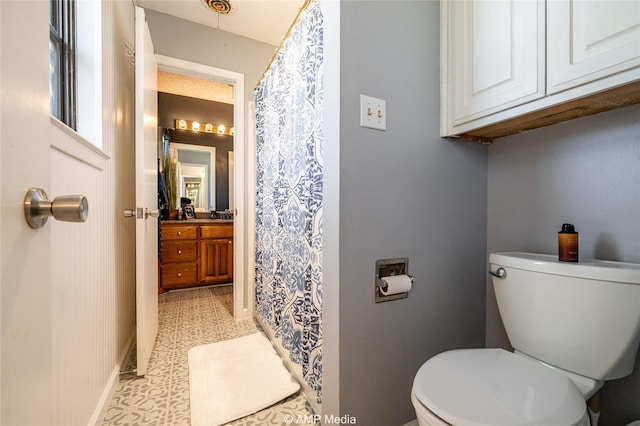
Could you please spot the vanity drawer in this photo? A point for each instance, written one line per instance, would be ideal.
(219, 230)
(179, 251)
(179, 274)
(179, 232)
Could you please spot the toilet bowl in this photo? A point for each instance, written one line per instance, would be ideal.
(563, 353)
(494, 387)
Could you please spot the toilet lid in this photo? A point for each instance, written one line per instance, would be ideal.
(497, 388)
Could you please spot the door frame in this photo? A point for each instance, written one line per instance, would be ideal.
(244, 179)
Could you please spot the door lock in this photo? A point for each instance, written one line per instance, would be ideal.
(67, 208)
(141, 213)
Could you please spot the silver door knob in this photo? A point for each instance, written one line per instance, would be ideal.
(67, 208)
(151, 212)
(129, 213)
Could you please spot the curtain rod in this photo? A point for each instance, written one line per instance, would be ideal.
(286, 36)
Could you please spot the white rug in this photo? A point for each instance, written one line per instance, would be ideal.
(234, 378)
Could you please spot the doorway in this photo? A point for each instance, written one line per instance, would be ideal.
(243, 178)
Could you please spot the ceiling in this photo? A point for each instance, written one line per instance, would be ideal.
(264, 20)
(183, 85)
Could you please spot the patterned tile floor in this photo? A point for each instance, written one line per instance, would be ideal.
(188, 318)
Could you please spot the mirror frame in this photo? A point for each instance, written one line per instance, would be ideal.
(211, 182)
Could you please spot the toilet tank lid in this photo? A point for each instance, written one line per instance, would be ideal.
(603, 270)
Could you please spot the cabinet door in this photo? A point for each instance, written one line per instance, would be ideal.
(589, 40)
(496, 56)
(216, 261)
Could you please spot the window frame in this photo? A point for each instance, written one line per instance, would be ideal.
(62, 39)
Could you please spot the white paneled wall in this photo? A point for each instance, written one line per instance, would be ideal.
(93, 264)
(82, 272)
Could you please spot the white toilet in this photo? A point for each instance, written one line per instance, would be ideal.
(573, 326)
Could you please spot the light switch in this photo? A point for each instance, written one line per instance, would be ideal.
(373, 113)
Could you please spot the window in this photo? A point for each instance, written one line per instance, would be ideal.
(62, 61)
(75, 66)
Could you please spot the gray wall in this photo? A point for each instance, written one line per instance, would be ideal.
(172, 107)
(586, 172)
(177, 38)
(403, 193)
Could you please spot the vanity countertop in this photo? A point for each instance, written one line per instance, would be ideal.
(189, 221)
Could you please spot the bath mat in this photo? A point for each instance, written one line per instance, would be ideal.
(234, 378)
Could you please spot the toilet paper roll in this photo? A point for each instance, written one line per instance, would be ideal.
(395, 284)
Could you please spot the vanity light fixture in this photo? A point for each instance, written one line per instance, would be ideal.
(198, 127)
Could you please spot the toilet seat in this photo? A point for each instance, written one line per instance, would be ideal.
(494, 387)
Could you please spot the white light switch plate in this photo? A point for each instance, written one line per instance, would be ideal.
(373, 113)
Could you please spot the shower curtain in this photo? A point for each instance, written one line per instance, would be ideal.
(289, 197)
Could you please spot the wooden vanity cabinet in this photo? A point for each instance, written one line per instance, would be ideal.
(196, 254)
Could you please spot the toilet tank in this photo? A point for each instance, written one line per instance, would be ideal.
(583, 317)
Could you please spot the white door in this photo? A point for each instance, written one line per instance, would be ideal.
(25, 253)
(52, 279)
(146, 194)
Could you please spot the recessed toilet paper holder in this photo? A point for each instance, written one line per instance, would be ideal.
(387, 268)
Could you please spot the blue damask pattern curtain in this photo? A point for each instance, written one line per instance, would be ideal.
(289, 196)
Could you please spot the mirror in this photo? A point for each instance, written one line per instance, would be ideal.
(196, 174)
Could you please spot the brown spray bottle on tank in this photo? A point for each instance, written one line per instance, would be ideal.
(568, 243)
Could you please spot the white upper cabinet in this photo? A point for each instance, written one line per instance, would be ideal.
(512, 65)
(590, 40)
(496, 56)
